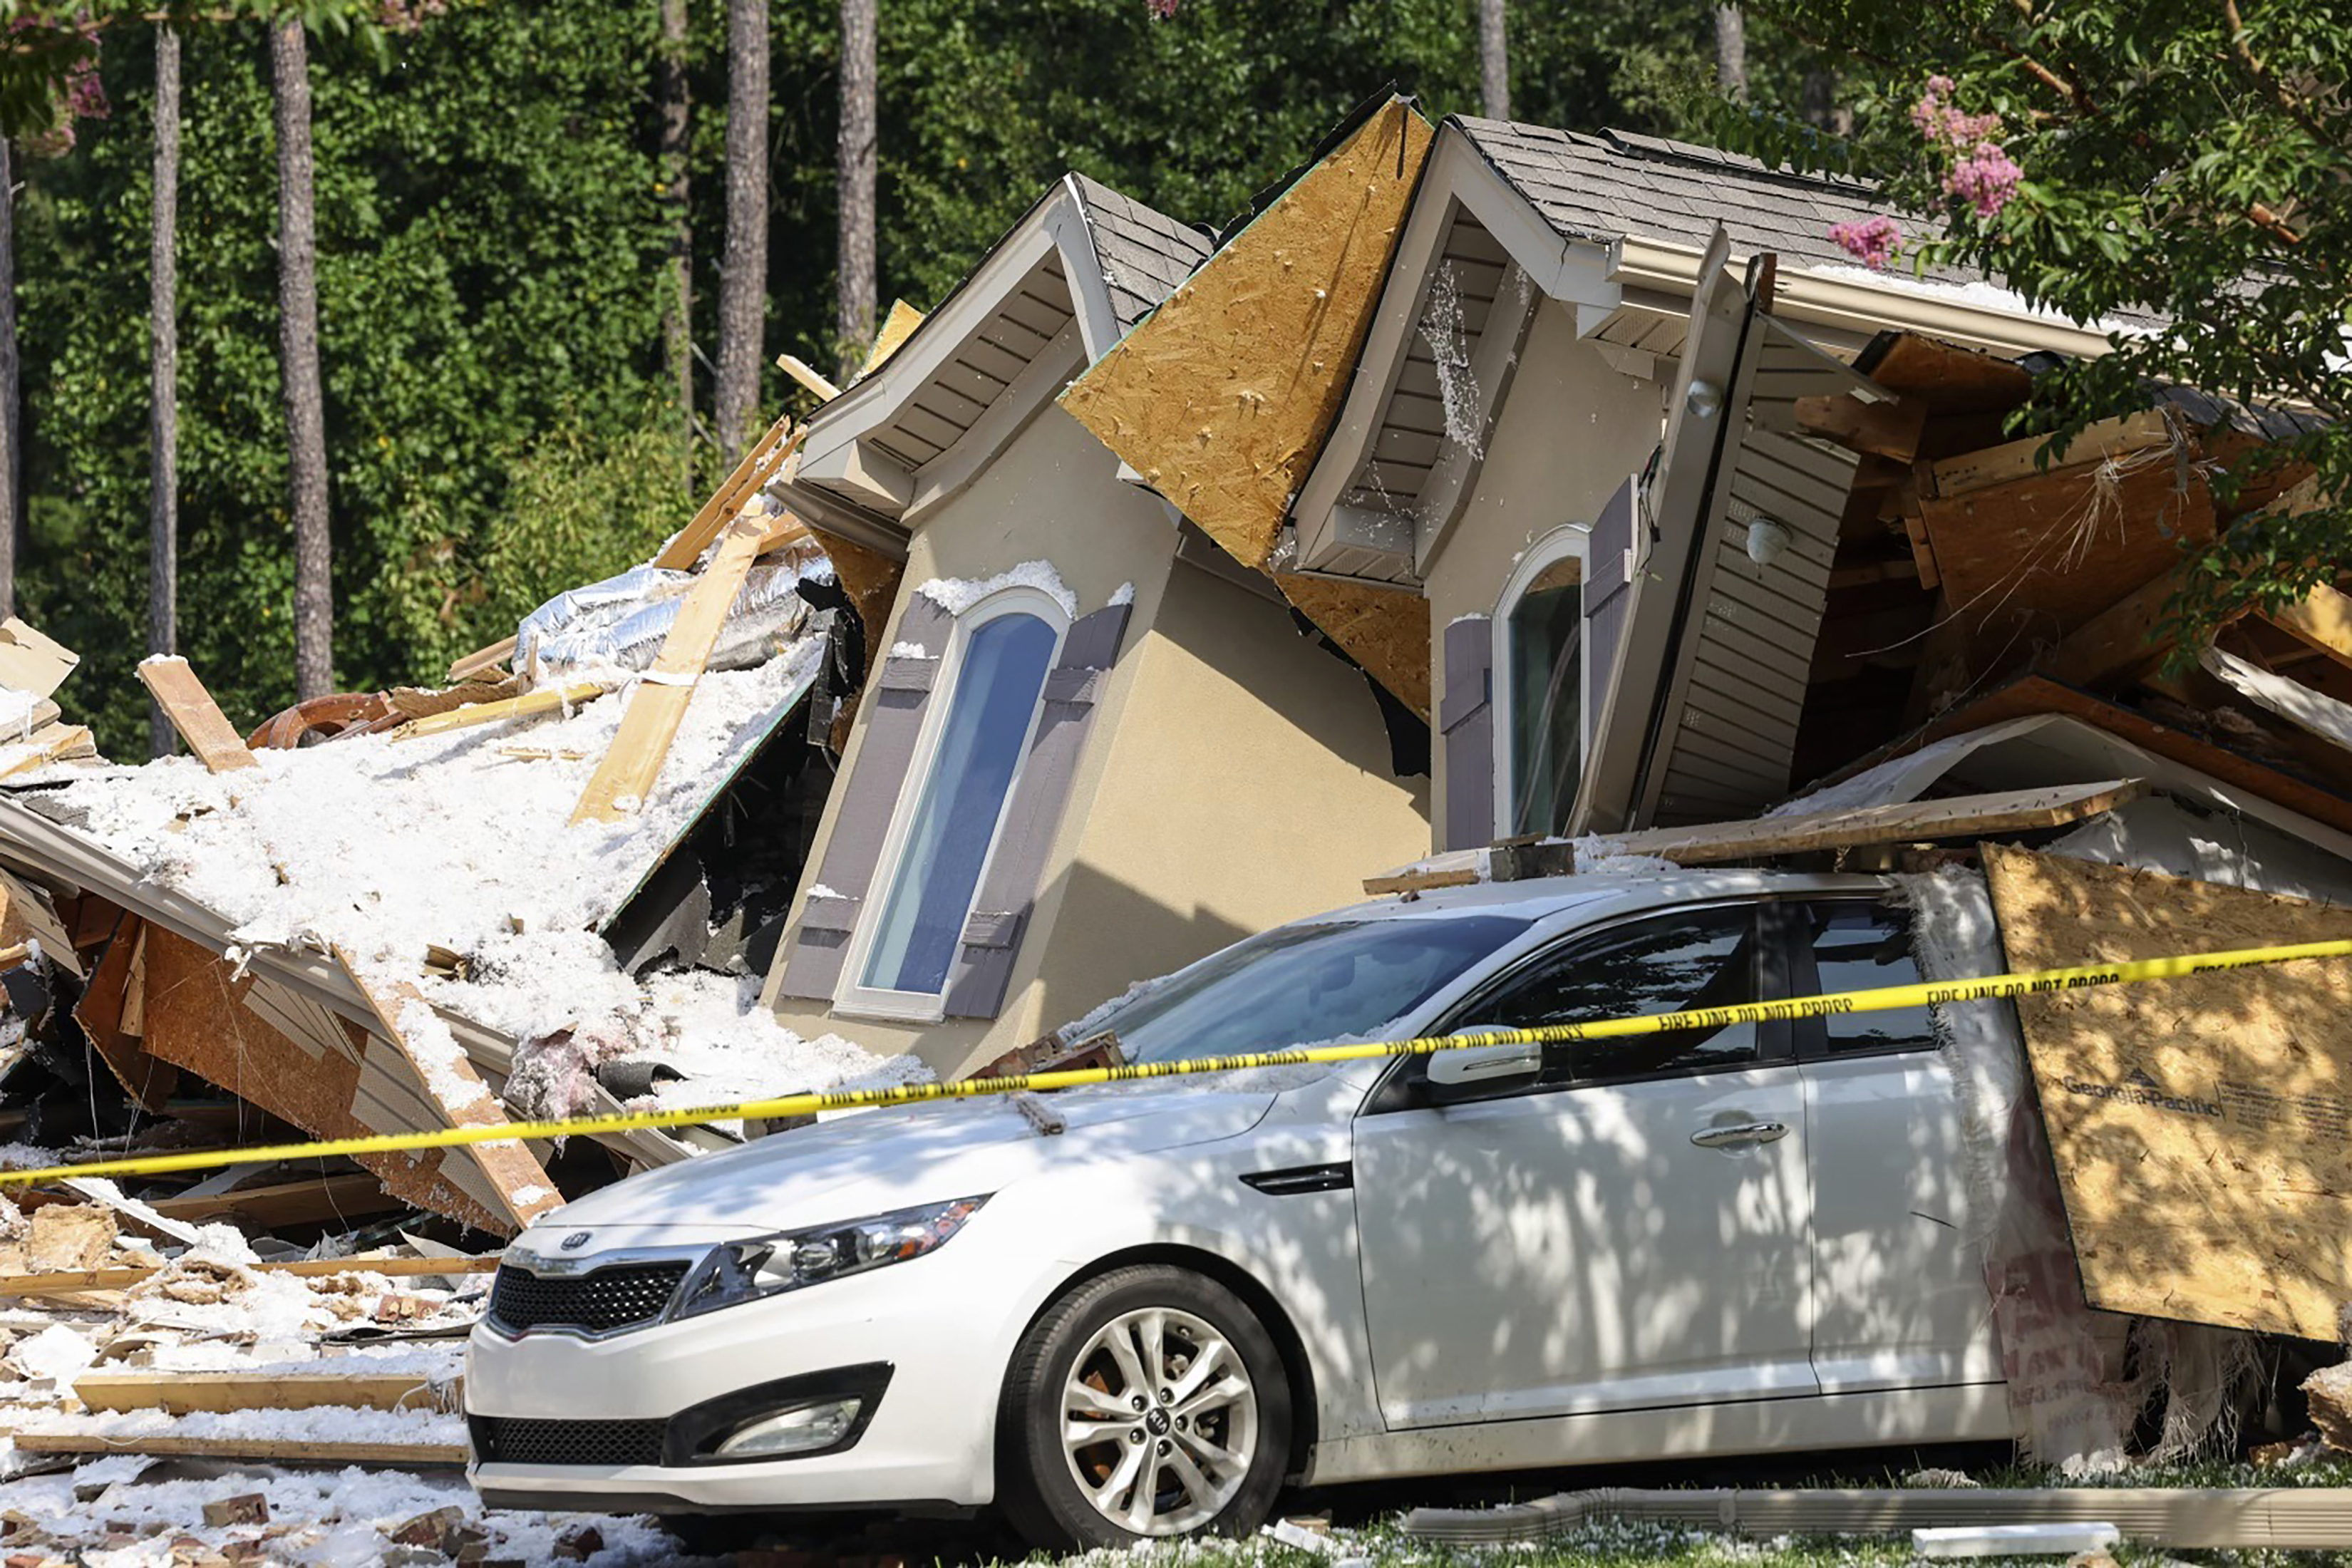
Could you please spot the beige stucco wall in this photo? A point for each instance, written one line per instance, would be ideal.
(1235, 776)
(1571, 429)
(1249, 787)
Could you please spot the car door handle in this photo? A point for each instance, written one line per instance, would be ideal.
(1740, 1134)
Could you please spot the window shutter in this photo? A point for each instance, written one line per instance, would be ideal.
(1009, 887)
(1466, 718)
(896, 700)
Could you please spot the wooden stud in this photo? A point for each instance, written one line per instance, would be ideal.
(482, 658)
(187, 1393)
(658, 705)
(2022, 459)
(767, 454)
(195, 714)
(546, 699)
(2321, 621)
(277, 1450)
(897, 328)
(73, 1282)
(808, 376)
(1902, 822)
(354, 1192)
(1887, 429)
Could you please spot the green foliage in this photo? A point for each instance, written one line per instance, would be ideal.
(2191, 161)
(492, 269)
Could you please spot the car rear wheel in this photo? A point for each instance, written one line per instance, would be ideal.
(1148, 1402)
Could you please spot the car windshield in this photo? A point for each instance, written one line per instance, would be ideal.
(1301, 985)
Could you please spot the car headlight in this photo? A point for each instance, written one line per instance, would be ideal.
(740, 1271)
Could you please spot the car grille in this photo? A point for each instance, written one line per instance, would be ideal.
(607, 1298)
(515, 1440)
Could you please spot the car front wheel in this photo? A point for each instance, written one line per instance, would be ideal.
(1150, 1402)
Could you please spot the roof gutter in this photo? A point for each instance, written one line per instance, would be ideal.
(1864, 309)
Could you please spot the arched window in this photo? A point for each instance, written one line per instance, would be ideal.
(1542, 718)
(964, 772)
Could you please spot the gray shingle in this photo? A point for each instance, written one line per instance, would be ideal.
(1143, 253)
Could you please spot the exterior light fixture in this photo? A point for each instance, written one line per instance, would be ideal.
(1766, 538)
(1705, 399)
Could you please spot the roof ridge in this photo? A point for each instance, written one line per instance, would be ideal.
(1694, 154)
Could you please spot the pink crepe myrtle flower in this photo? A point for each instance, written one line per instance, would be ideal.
(1986, 178)
(1163, 9)
(1874, 240)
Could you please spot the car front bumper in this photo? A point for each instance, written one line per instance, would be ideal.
(930, 1439)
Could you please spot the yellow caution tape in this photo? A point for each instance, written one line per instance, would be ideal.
(1880, 999)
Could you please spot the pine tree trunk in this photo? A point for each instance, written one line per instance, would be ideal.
(297, 338)
(1493, 61)
(854, 152)
(743, 278)
(11, 429)
(1731, 52)
(678, 317)
(163, 406)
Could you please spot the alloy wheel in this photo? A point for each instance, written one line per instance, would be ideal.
(1159, 1421)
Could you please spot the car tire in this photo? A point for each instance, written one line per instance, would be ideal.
(1212, 1443)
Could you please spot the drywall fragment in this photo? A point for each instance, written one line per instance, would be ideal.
(32, 662)
(2199, 1127)
(2014, 1540)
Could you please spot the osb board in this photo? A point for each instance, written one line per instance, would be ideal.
(871, 581)
(2033, 559)
(26, 913)
(1385, 630)
(112, 1022)
(1951, 379)
(297, 1061)
(1221, 398)
(2201, 1128)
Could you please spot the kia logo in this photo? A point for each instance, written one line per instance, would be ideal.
(574, 1242)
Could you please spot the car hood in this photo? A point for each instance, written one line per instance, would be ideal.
(875, 1160)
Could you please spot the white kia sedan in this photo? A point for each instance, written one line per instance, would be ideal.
(1704, 1242)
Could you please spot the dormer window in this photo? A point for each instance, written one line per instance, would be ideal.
(1543, 714)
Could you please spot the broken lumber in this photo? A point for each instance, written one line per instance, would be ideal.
(193, 713)
(658, 705)
(482, 658)
(67, 1282)
(1889, 428)
(52, 743)
(187, 1393)
(278, 1450)
(32, 662)
(808, 376)
(355, 1193)
(546, 699)
(687, 546)
(2321, 620)
(897, 328)
(1903, 822)
(2022, 459)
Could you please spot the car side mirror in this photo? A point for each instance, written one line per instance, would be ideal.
(1479, 1067)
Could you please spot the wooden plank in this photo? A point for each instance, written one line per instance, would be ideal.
(686, 547)
(658, 705)
(277, 1450)
(2120, 643)
(76, 1281)
(482, 658)
(546, 699)
(187, 1393)
(193, 713)
(897, 328)
(1905, 821)
(2012, 461)
(808, 376)
(352, 1193)
(102, 1013)
(30, 661)
(2321, 621)
(1222, 397)
(1951, 379)
(1421, 881)
(58, 743)
(2197, 1128)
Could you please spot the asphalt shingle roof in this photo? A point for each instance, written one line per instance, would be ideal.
(1144, 254)
(1618, 182)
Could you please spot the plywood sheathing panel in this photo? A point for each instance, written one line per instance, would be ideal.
(2030, 561)
(2201, 1128)
(298, 1062)
(505, 1178)
(870, 579)
(1951, 379)
(112, 1020)
(1220, 399)
(27, 913)
(1382, 629)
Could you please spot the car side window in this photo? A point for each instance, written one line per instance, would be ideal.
(1670, 963)
(1860, 945)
